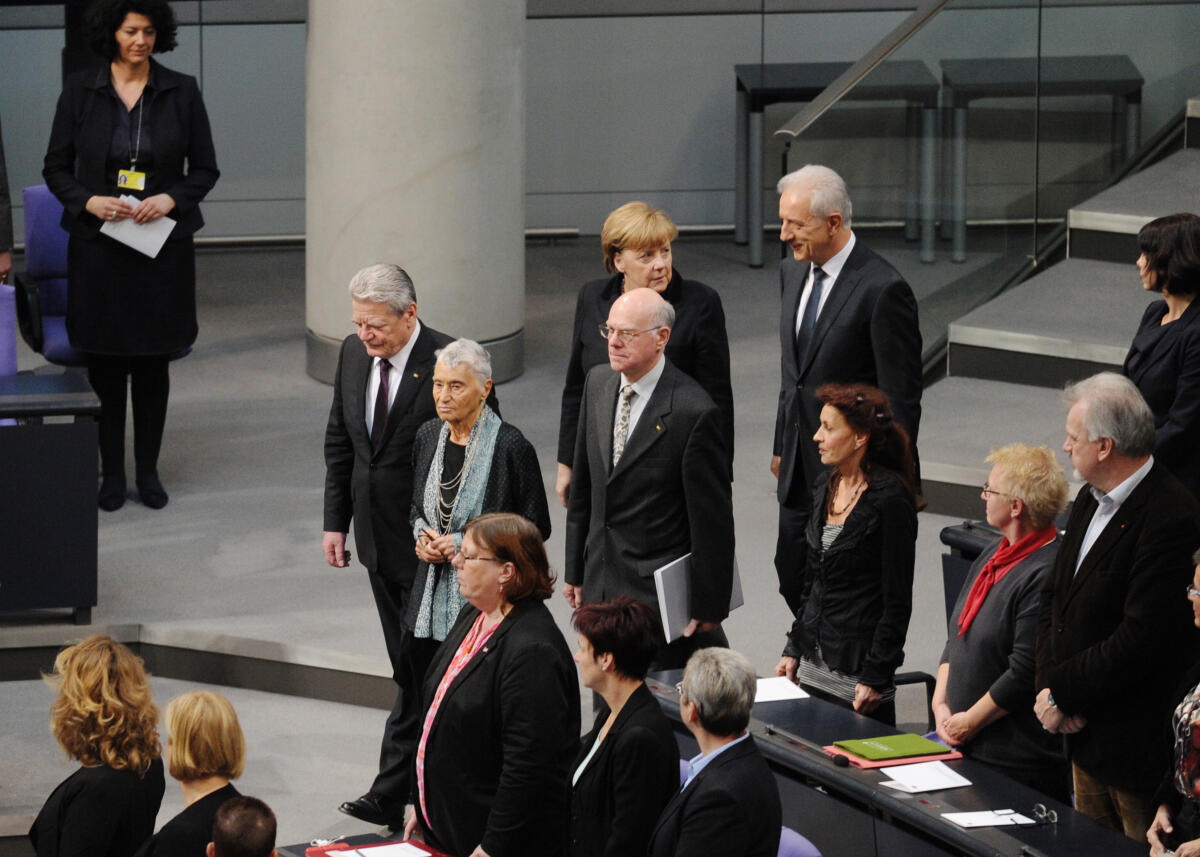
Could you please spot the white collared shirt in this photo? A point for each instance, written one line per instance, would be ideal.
(832, 269)
(1109, 505)
(399, 361)
(643, 389)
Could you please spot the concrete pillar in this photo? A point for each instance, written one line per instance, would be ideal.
(416, 155)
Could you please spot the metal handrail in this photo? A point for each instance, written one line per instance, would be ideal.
(853, 75)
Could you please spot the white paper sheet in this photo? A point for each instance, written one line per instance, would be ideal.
(146, 238)
(987, 818)
(776, 688)
(395, 849)
(923, 777)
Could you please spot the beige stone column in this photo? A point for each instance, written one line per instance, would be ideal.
(415, 155)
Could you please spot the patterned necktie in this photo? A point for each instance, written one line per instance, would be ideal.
(808, 321)
(621, 431)
(379, 421)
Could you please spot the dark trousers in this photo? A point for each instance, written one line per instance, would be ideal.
(148, 377)
(790, 547)
(410, 657)
(674, 655)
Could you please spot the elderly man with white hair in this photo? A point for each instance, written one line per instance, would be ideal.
(848, 317)
(1114, 635)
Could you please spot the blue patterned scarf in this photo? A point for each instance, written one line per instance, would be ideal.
(441, 600)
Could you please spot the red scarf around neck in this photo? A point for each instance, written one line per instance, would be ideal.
(993, 571)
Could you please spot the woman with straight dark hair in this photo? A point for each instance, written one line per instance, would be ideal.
(628, 765)
(860, 548)
(130, 128)
(1164, 359)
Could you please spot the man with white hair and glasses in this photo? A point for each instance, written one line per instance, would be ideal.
(1114, 636)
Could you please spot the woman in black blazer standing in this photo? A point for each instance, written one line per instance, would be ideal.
(105, 718)
(628, 765)
(1164, 359)
(502, 720)
(127, 129)
(860, 549)
(637, 254)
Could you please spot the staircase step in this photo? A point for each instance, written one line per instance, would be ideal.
(1073, 320)
(1105, 227)
(963, 419)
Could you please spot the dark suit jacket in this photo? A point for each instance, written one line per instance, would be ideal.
(669, 494)
(188, 833)
(497, 760)
(732, 808)
(625, 786)
(1114, 638)
(1164, 362)
(76, 161)
(375, 486)
(867, 333)
(99, 812)
(514, 485)
(699, 347)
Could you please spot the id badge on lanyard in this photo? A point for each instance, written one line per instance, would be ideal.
(131, 179)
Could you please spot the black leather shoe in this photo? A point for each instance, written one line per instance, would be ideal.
(112, 493)
(153, 495)
(370, 809)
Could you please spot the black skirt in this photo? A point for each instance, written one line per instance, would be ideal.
(122, 302)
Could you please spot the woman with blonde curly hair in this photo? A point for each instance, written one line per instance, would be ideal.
(105, 718)
(205, 750)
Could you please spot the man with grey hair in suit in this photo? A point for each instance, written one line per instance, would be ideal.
(1115, 634)
(382, 393)
(848, 317)
(651, 479)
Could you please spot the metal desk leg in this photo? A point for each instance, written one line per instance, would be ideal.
(958, 190)
(912, 183)
(741, 121)
(928, 204)
(1133, 126)
(754, 195)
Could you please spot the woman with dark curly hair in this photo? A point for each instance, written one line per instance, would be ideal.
(130, 128)
(105, 718)
(856, 590)
(1164, 358)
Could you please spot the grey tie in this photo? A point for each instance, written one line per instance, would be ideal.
(621, 430)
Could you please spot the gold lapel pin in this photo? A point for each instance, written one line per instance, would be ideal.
(416, 374)
(658, 428)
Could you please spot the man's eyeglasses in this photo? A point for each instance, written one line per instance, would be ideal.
(624, 336)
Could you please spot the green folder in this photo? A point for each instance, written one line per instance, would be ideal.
(892, 747)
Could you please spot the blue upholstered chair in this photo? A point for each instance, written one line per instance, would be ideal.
(42, 288)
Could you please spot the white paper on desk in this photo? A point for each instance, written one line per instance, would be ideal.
(673, 583)
(147, 238)
(987, 818)
(394, 849)
(923, 777)
(776, 688)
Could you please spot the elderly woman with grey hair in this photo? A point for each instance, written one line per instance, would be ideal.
(465, 463)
